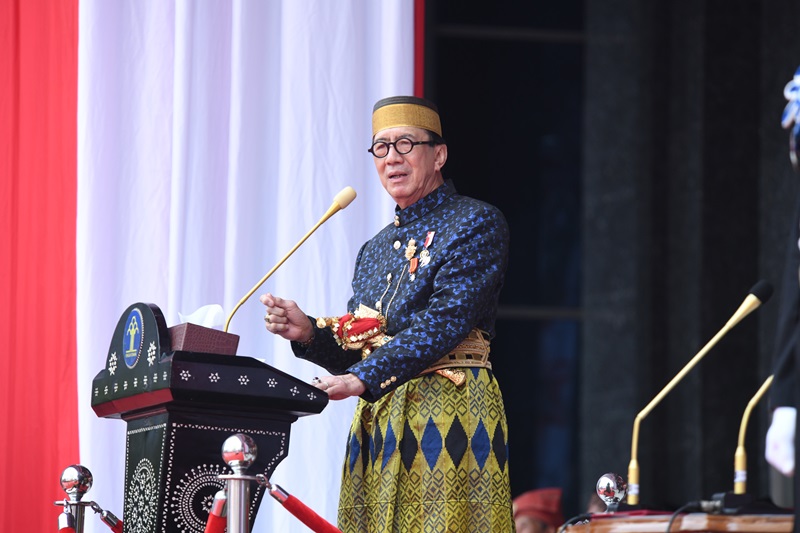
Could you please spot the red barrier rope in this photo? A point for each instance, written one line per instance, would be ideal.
(216, 524)
(111, 521)
(302, 512)
(217, 515)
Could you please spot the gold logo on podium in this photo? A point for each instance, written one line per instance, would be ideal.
(132, 340)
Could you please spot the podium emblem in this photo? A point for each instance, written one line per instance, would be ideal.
(132, 338)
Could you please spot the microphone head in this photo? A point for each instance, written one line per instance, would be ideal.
(344, 197)
(762, 290)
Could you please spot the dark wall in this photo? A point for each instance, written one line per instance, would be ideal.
(636, 150)
(688, 194)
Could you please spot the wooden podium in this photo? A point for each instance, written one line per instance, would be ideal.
(182, 392)
(695, 522)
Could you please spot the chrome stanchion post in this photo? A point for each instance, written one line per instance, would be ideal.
(65, 520)
(239, 451)
(76, 480)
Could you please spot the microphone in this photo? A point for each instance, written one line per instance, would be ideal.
(731, 502)
(758, 295)
(740, 456)
(342, 199)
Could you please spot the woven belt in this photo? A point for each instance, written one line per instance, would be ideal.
(472, 352)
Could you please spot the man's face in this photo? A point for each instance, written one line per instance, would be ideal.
(409, 177)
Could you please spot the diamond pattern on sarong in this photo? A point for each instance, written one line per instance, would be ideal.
(481, 447)
(456, 441)
(388, 446)
(408, 447)
(499, 447)
(354, 451)
(375, 445)
(433, 466)
(431, 443)
(366, 442)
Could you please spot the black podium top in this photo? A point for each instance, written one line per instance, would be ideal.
(143, 373)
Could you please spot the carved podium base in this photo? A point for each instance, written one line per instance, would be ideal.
(172, 470)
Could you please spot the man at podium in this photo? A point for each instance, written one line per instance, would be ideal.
(427, 449)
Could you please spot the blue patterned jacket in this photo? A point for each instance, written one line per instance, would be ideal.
(428, 313)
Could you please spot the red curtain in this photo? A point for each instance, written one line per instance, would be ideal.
(38, 104)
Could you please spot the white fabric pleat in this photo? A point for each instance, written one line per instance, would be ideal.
(211, 137)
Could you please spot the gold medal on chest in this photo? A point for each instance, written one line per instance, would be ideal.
(411, 249)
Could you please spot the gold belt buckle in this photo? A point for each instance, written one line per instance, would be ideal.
(457, 375)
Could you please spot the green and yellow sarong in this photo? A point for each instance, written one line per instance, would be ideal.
(438, 465)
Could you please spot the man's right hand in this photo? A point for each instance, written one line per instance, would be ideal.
(284, 318)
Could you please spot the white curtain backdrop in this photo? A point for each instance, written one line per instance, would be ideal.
(211, 137)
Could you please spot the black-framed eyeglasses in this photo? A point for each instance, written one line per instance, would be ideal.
(380, 149)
